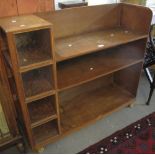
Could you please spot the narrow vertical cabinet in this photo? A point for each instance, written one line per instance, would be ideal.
(30, 57)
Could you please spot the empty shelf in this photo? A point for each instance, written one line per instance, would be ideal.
(91, 104)
(42, 111)
(33, 47)
(38, 81)
(45, 132)
(74, 46)
(88, 67)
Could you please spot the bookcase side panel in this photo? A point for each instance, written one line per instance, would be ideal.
(20, 88)
(133, 17)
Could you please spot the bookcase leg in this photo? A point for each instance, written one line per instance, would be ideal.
(21, 147)
(131, 105)
(40, 150)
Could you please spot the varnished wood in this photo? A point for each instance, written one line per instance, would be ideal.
(42, 111)
(50, 130)
(22, 23)
(8, 8)
(93, 50)
(70, 22)
(131, 14)
(71, 94)
(80, 70)
(34, 79)
(39, 96)
(33, 47)
(36, 65)
(55, 82)
(33, 6)
(91, 102)
(37, 81)
(82, 44)
(20, 89)
(19, 7)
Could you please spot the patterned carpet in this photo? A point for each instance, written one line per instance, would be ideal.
(137, 138)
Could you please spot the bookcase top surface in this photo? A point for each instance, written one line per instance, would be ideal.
(23, 23)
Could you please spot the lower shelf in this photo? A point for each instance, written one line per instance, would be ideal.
(46, 131)
(91, 104)
(42, 111)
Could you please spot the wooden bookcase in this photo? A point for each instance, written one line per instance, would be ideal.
(82, 67)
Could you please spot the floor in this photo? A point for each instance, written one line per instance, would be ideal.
(78, 141)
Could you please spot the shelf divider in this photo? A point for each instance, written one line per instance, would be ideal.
(36, 66)
(39, 96)
(43, 121)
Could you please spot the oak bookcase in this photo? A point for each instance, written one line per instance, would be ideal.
(74, 66)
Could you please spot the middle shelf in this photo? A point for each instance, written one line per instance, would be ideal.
(79, 70)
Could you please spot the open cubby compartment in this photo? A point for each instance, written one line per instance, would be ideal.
(45, 132)
(93, 100)
(42, 111)
(33, 46)
(38, 81)
(78, 70)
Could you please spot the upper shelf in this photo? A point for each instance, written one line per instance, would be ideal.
(74, 46)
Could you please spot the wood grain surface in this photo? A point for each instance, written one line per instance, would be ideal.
(20, 7)
(8, 8)
(32, 6)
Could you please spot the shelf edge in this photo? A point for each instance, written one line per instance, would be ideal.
(39, 96)
(99, 76)
(43, 121)
(97, 49)
(35, 66)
